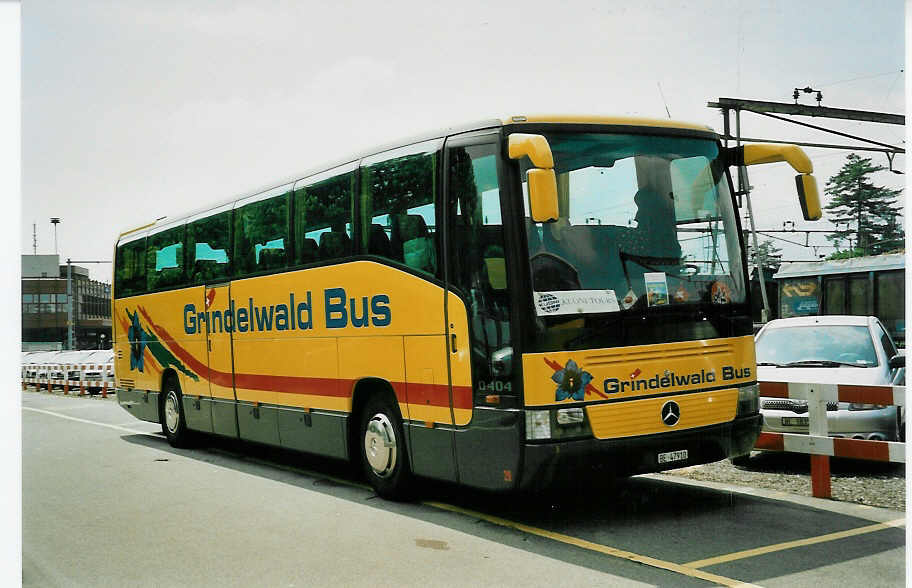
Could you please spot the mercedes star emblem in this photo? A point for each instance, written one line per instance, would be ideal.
(671, 413)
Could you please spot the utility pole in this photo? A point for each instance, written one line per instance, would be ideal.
(71, 326)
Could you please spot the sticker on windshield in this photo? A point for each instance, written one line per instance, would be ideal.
(720, 293)
(681, 294)
(656, 289)
(575, 302)
(629, 300)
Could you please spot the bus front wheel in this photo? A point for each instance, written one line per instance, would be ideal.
(383, 454)
(174, 425)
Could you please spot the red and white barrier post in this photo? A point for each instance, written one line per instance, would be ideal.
(817, 443)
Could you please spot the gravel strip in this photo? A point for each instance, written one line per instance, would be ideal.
(861, 482)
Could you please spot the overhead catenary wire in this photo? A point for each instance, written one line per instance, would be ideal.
(859, 78)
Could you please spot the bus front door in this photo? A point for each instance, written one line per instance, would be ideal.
(478, 314)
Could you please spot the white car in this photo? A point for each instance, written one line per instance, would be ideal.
(828, 350)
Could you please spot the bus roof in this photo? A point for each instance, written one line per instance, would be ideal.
(576, 119)
(587, 119)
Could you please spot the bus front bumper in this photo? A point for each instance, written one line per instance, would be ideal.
(553, 462)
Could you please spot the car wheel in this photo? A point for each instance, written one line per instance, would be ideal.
(383, 453)
(174, 425)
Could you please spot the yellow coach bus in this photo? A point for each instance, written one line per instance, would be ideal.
(492, 305)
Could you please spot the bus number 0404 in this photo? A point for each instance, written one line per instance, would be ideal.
(495, 386)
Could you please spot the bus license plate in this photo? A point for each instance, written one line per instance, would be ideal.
(794, 421)
(673, 456)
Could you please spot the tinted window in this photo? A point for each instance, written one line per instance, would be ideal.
(858, 295)
(130, 268)
(208, 243)
(261, 235)
(834, 296)
(398, 198)
(886, 342)
(891, 302)
(322, 217)
(165, 258)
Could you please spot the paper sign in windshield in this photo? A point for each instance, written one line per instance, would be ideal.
(656, 289)
(575, 302)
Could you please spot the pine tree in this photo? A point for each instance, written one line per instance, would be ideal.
(865, 215)
(770, 254)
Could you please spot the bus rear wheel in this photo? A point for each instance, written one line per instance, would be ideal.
(174, 425)
(383, 453)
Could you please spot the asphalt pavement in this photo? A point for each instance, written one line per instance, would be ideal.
(106, 501)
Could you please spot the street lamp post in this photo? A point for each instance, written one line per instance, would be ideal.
(55, 220)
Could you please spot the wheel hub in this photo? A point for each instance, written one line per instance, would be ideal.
(172, 412)
(380, 445)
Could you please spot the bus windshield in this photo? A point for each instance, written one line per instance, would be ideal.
(647, 227)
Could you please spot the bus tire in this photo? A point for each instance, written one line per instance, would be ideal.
(741, 461)
(384, 458)
(174, 425)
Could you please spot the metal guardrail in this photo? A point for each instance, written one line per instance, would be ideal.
(85, 377)
(817, 443)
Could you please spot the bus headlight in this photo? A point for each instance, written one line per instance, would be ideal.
(538, 424)
(748, 400)
(570, 416)
(557, 423)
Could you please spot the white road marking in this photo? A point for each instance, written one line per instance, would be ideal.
(88, 422)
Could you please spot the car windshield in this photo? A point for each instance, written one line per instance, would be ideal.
(645, 221)
(813, 345)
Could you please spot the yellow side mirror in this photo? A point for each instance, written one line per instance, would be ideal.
(542, 181)
(759, 153)
(543, 195)
(536, 147)
(808, 196)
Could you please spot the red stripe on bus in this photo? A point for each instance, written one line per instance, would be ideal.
(438, 395)
(774, 389)
(462, 397)
(291, 384)
(866, 394)
(770, 441)
(858, 449)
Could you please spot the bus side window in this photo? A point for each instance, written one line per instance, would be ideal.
(261, 234)
(398, 201)
(208, 242)
(130, 268)
(322, 216)
(165, 258)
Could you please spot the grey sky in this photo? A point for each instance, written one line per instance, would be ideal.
(135, 110)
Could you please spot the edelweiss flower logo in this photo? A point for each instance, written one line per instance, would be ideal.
(571, 382)
(137, 338)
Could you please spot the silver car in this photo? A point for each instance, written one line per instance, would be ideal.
(827, 350)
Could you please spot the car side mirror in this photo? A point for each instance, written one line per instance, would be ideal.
(897, 361)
